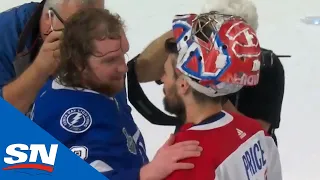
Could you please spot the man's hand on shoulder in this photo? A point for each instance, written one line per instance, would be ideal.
(167, 159)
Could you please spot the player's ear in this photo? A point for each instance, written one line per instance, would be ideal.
(183, 85)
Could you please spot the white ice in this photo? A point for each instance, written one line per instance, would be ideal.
(280, 30)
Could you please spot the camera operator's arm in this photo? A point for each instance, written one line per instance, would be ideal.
(148, 67)
(140, 101)
(149, 64)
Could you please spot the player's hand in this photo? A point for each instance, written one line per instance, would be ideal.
(48, 58)
(167, 157)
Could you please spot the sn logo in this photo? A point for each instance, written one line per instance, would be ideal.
(20, 158)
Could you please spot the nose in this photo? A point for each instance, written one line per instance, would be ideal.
(123, 68)
(161, 80)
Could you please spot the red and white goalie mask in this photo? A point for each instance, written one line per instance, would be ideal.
(218, 54)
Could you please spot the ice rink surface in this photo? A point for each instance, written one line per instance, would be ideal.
(280, 30)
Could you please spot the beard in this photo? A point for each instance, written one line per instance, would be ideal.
(175, 105)
(110, 89)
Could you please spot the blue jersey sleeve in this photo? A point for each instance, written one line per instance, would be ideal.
(93, 127)
(12, 23)
(9, 38)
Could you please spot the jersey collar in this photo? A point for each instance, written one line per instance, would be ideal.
(214, 121)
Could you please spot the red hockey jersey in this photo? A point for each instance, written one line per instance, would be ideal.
(235, 147)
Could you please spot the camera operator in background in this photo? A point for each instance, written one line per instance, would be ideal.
(29, 47)
(262, 102)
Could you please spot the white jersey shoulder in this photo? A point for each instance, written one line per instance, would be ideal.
(256, 159)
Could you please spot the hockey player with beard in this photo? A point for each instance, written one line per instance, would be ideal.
(85, 106)
(212, 55)
(262, 102)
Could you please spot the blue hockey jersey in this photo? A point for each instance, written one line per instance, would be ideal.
(99, 129)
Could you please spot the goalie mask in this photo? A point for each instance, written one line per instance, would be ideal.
(217, 53)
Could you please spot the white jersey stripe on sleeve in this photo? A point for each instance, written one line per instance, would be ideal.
(101, 166)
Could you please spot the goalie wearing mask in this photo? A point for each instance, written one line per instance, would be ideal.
(212, 55)
(262, 102)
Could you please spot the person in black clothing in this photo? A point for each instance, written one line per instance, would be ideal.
(262, 102)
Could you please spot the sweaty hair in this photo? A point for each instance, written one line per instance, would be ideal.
(77, 43)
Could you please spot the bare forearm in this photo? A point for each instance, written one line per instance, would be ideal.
(154, 55)
(22, 92)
